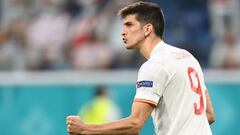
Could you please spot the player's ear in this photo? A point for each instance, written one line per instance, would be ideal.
(148, 28)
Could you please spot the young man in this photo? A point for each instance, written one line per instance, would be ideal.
(170, 83)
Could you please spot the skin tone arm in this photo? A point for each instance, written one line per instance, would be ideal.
(209, 109)
(129, 126)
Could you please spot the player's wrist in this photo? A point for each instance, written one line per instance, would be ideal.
(87, 129)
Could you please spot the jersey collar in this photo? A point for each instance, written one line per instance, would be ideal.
(157, 47)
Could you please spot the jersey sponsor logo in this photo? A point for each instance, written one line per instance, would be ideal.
(140, 84)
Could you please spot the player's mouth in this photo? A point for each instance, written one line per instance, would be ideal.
(124, 40)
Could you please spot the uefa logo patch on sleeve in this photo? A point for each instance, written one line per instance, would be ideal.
(140, 84)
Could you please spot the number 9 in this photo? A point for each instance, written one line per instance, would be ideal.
(193, 76)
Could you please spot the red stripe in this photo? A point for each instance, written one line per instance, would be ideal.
(146, 101)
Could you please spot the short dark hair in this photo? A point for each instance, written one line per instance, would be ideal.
(146, 12)
(100, 90)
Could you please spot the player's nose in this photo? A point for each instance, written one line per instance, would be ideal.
(124, 32)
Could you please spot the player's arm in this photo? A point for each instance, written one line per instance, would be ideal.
(209, 109)
(129, 126)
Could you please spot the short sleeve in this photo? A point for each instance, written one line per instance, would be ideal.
(151, 83)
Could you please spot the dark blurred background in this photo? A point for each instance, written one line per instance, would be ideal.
(54, 35)
(53, 54)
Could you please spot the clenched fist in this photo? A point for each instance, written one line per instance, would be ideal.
(75, 126)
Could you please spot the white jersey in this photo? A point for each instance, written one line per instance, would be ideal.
(172, 80)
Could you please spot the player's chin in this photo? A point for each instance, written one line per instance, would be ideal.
(127, 46)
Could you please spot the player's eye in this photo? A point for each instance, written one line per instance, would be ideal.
(128, 24)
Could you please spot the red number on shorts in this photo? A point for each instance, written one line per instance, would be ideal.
(192, 74)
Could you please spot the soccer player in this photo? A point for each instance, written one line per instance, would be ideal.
(170, 85)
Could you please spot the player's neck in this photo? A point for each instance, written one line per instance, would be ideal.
(148, 45)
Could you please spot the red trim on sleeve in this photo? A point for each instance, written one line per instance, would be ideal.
(152, 103)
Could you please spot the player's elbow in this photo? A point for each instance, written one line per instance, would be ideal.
(210, 115)
(136, 126)
(211, 118)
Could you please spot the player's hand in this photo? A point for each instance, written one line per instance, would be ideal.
(74, 125)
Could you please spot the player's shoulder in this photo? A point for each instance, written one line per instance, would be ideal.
(171, 54)
(162, 53)
(151, 68)
(159, 59)
(151, 64)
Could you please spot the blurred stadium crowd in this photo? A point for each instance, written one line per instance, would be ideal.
(85, 34)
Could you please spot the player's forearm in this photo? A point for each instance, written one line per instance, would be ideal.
(127, 126)
(209, 111)
(211, 118)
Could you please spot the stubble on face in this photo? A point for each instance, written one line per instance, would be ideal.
(132, 32)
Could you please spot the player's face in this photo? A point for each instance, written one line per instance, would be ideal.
(132, 34)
